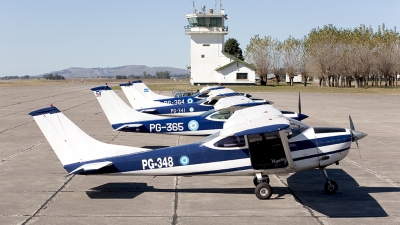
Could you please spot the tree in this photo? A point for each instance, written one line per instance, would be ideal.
(292, 57)
(232, 48)
(163, 75)
(257, 53)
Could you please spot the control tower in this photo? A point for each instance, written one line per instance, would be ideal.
(209, 64)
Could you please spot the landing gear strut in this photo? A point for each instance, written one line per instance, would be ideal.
(330, 186)
(264, 179)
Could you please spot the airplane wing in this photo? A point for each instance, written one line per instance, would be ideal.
(235, 103)
(257, 119)
(91, 167)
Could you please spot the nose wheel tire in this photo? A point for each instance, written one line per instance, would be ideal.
(331, 188)
(265, 179)
(263, 191)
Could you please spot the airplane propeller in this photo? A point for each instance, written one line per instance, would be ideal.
(299, 104)
(356, 135)
(300, 115)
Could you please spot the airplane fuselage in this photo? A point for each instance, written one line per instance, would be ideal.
(307, 150)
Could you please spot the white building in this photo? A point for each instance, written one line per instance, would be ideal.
(209, 64)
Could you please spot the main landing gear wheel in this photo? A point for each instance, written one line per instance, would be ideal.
(263, 191)
(265, 179)
(331, 188)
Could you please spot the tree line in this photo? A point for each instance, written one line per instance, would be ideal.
(15, 77)
(159, 75)
(335, 56)
(53, 77)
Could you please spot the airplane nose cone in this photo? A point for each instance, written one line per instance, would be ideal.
(359, 134)
(301, 117)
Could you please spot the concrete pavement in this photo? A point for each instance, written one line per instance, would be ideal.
(34, 189)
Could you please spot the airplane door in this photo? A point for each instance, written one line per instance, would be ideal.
(304, 148)
(266, 151)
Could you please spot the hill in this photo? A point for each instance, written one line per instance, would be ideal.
(137, 70)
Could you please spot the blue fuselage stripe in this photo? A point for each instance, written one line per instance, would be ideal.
(196, 154)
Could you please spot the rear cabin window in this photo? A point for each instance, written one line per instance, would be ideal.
(231, 141)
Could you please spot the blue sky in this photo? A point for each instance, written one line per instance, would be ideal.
(41, 36)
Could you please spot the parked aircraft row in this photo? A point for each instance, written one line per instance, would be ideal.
(254, 141)
(124, 118)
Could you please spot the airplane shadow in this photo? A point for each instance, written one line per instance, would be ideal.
(351, 200)
(153, 147)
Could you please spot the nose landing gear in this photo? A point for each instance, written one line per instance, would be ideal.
(330, 186)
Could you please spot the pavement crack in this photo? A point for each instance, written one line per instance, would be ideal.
(175, 216)
(27, 149)
(300, 201)
(20, 125)
(48, 200)
(372, 172)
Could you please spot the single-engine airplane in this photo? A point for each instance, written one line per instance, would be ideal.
(124, 118)
(142, 88)
(258, 147)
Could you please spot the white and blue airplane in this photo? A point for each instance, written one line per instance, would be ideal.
(142, 88)
(142, 104)
(124, 118)
(247, 146)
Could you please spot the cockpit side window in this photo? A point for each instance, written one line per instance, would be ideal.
(296, 128)
(221, 115)
(230, 142)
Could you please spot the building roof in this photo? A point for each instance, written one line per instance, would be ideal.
(234, 60)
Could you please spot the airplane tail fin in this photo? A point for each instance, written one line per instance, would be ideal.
(137, 99)
(116, 110)
(146, 91)
(73, 146)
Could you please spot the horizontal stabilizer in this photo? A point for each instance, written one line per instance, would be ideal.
(90, 167)
(129, 126)
(148, 110)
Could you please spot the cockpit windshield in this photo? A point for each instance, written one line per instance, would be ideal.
(297, 127)
(201, 101)
(208, 138)
(207, 113)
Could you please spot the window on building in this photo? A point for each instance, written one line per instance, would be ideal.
(206, 44)
(241, 75)
(202, 56)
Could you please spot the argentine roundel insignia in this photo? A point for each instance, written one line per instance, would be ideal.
(190, 100)
(193, 125)
(184, 160)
